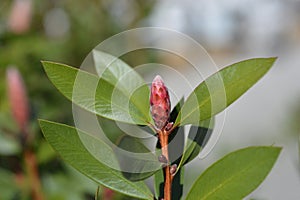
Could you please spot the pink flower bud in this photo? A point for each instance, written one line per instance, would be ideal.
(160, 104)
(20, 16)
(17, 97)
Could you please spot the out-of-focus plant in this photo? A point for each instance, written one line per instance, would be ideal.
(27, 178)
(26, 37)
(23, 168)
(121, 95)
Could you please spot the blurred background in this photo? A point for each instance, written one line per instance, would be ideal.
(66, 31)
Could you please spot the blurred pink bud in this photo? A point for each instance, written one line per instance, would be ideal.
(17, 97)
(160, 104)
(20, 16)
(108, 194)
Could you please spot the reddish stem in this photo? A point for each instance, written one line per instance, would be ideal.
(163, 138)
(31, 167)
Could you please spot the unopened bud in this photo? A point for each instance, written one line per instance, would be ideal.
(162, 159)
(173, 169)
(160, 104)
(169, 126)
(18, 98)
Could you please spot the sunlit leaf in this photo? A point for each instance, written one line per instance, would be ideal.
(221, 89)
(68, 142)
(236, 175)
(101, 97)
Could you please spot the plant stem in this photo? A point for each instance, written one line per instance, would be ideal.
(163, 138)
(31, 166)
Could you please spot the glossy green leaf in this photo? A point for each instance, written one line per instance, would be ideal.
(177, 138)
(140, 163)
(68, 142)
(221, 89)
(116, 71)
(236, 175)
(177, 184)
(122, 76)
(197, 138)
(102, 97)
(159, 183)
(45, 153)
(136, 161)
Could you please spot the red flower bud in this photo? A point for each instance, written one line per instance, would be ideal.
(160, 104)
(18, 98)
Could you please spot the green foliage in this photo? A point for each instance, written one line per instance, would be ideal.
(116, 92)
(139, 166)
(67, 141)
(24, 51)
(221, 89)
(235, 175)
(196, 140)
(102, 97)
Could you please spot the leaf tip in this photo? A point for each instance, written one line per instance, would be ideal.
(273, 59)
(41, 122)
(46, 65)
(278, 149)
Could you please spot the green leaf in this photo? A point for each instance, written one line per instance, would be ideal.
(176, 139)
(196, 141)
(236, 175)
(159, 183)
(116, 71)
(177, 184)
(140, 163)
(64, 185)
(45, 153)
(122, 76)
(222, 89)
(105, 98)
(136, 161)
(68, 142)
